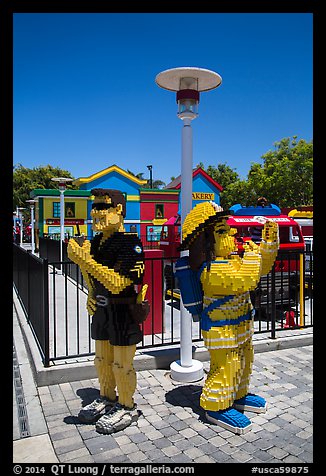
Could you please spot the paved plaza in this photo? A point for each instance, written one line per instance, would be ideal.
(172, 427)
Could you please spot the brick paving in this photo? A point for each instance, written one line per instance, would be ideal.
(173, 428)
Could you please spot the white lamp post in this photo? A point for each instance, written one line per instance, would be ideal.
(187, 82)
(20, 214)
(62, 187)
(31, 204)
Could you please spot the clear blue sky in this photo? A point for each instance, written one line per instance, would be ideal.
(85, 95)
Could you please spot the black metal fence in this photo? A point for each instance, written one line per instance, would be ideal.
(53, 296)
(30, 278)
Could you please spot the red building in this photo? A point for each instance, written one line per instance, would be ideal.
(159, 205)
(156, 206)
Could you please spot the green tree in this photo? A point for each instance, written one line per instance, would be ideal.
(229, 179)
(286, 175)
(222, 174)
(25, 180)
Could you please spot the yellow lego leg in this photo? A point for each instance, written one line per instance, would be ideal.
(104, 365)
(247, 357)
(223, 379)
(245, 400)
(125, 374)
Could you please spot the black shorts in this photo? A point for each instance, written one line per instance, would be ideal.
(115, 323)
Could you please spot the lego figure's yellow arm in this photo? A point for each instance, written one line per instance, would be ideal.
(269, 246)
(229, 276)
(110, 279)
(232, 276)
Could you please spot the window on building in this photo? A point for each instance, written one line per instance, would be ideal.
(153, 233)
(159, 210)
(56, 210)
(69, 209)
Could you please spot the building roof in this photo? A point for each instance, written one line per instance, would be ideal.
(176, 183)
(54, 192)
(108, 170)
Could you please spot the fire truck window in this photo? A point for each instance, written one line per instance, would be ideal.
(294, 235)
(284, 234)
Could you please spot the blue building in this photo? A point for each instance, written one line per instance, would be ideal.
(116, 178)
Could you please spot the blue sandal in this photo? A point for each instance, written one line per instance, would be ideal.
(230, 419)
(251, 402)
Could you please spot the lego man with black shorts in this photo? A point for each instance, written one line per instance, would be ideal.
(112, 264)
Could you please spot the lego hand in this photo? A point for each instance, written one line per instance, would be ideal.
(142, 293)
(85, 251)
(78, 254)
(250, 246)
(91, 305)
(87, 246)
(72, 251)
(270, 231)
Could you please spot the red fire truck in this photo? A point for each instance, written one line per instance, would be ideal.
(249, 222)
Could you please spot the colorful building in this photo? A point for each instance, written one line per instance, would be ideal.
(116, 178)
(47, 211)
(156, 207)
(147, 209)
(204, 188)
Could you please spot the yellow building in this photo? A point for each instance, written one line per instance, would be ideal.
(47, 211)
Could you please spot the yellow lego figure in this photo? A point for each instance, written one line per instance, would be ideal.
(227, 313)
(112, 263)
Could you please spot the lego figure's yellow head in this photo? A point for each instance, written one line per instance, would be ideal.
(224, 239)
(108, 210)
(202, 217)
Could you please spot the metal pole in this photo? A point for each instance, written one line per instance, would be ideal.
(150, 167)
(186, 369)
(187, 82)
(21, 227)
(302, 287)
(273, 310)
(32, 230)
(186, 205)
(62, 224)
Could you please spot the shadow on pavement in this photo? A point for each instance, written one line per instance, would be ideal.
(187, 396)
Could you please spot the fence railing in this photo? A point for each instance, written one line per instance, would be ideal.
(30, 278)
(53, 296)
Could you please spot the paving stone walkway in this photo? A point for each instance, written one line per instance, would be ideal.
(173, 428)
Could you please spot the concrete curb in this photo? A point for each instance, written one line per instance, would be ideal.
(156, 358)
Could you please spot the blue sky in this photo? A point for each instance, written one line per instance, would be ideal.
(85, 95)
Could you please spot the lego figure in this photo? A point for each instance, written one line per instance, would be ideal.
(112, 263)
(225, 309)
(262, 202)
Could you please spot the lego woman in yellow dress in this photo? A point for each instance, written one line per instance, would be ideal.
(226, 316)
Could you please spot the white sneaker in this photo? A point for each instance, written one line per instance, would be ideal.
(93, 411)
(117, 419)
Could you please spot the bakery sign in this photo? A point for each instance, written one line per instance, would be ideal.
(203, 196)
(68, 221)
